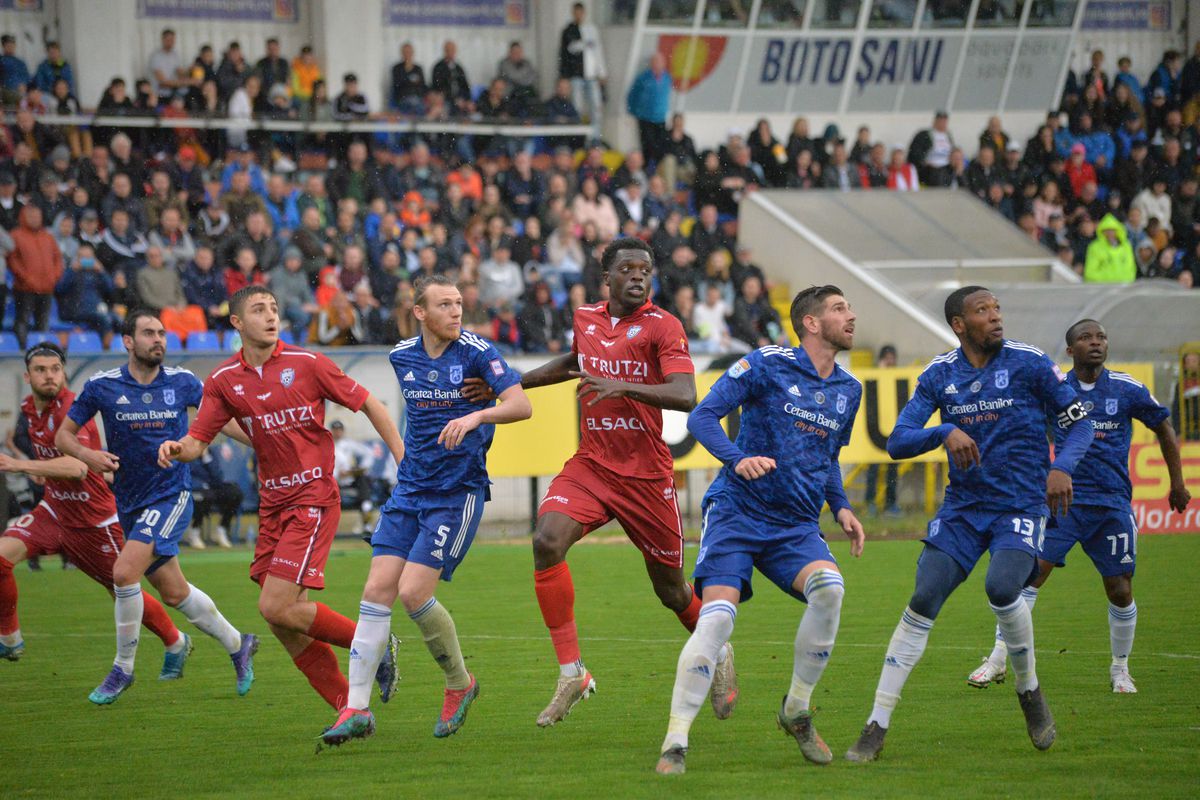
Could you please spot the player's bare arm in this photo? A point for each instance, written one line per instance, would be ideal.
(1178, 497)
(63, 468)
(67, 441)
(381, 420)
(676, 393)
(752, 468)
(514, 406)
(556, 370)
(186, 450)
(962, 449)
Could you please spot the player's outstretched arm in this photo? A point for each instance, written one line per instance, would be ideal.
(1178, 497)
(677, 393)
(1060, 492)
(63, 468)
(556, 370)
(232, 430)
(910, 438)
(384, 425)
(185, 450)
(514, 406)
(67, 441)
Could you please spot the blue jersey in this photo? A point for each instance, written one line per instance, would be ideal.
(432, 397)
(137, 419)
(1112, 403)
(790, 414)
(1004, 408)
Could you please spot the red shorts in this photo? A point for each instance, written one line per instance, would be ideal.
(646, 507)
(293, 544)
(93, 550)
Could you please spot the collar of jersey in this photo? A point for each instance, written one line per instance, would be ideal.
(29, 408)
(637, 312)
(274, 354)
(1099, 378)
(162, 374)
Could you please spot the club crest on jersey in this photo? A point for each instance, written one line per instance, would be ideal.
(456, 373)
(841, 404)
(1088, 405)
(1001, 379)
(147, 398)
(287, 377)
(976, 386)
(634, 331)
(169, 396)
(820, 398)
(432, 376)
(1110, 406)
(740, 368)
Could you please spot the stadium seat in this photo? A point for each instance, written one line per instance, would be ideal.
(84, 343)
(232, 342)
(9, 344)
(174, 343)
(56, 323)
(37, 337)
(287, 337)
(203, 341)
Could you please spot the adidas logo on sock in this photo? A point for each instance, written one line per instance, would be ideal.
(702, 669)
(354, 653)
(409, 376)
(122, 400)
(794, 390)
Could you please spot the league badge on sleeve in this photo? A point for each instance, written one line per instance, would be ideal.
(456, 374)
(1001, 379)
(498, 367)
(169, 396)
(740, 368)
(287, 377)
(1110, 406)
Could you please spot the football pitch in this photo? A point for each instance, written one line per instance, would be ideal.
(196, 738)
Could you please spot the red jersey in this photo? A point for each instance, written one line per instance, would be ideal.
(281, 407)
(88, 503)
(645, 347)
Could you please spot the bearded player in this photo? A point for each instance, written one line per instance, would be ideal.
(276, 393)
(632, 361)
(77, 515)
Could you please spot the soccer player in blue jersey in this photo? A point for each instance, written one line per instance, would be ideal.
(762, 511)
(144, 404)
(994, 396)
(428, 524)
(1101, 519)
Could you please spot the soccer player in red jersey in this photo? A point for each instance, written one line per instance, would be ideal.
(631, 359)
(77, 515)
(276, 393)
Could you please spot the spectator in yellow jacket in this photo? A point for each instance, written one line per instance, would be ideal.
(1109, 257)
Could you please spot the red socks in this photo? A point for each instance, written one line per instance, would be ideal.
(691, 614)
(320, 666)
(156, 620)
(556, 597)
(8, 597)
(330, 626)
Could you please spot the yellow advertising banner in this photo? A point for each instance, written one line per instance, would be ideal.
(540, 445)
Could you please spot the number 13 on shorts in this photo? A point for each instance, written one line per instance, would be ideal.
(1026, 527)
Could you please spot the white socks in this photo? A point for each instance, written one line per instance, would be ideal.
(903, 653)
(441, 638)
(366, 651)
(202, 612)
(1016, 623)
(823, 590)
(694, 673)
(11, 639)
(128, 613)
(1000, 651)
(1122, 622)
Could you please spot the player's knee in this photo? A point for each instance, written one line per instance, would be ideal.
(927, 599)
(1120, 592)
(274, 611)
(125, 575)
(413, 597)
(674, 597)
(172, 596)
(1002, 590)
(825, 590)
(549, 547)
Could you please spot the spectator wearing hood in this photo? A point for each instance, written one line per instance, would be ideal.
(1110, 259)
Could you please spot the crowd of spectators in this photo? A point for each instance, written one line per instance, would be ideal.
(339, 225)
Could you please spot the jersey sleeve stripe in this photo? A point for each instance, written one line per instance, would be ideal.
(1126, 378)
(1022, 346)
(305, 353)
(222, 369)
(944, 358)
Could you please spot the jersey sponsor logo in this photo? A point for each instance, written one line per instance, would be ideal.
(497, 367)
(137, 417)
(740, 368)
(456, 373)
(951, 389)
(147, 398)
(617, 367)
(1110, 406)
(430, 394)
(1001, 379)
(432, 376)
(794, 391)
(841, 404)
(554, 498)
(122, 400)
(42, 451)
(287, 377)
(812, 416)
(169, 396)
(293, 480)
(263, 396)
(614, 424)
(634, 331)
(408, 376)
(1106, 425)
(976, 406)
(272, 421)
(73, 497)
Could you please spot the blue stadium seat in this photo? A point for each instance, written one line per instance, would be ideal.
(203, 340)
(9, 344)
(174, 343)
(287, 337)
(232, 342)
(56, 323)
(84, 343)
(37, 337)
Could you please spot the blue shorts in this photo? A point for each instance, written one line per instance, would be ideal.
(965, 535)
(732, 546)
(434, 530)
(162, 524)
(1108, 536)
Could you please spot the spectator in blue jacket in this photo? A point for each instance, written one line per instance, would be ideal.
(52, 69)
(84, 292)
(281, 205)
(244, 163)
(1131, 131)
(1125, 75)
(649, 101)
(14, 74)
(1100, 146)
(1166, 76)
(204, 286)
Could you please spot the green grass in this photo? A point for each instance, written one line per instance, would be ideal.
(195, 738)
